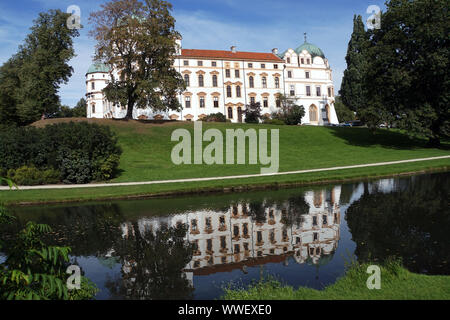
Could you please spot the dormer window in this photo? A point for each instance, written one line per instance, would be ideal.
(288, 60)
(308, 61)
(303, 61)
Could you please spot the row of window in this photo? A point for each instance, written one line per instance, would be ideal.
(308, 91)
(251, 81)
(300, 60)
(307, 74)
(202, 103)
(214, 64)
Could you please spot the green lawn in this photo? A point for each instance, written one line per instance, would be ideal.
(396, 284)
(147, 149)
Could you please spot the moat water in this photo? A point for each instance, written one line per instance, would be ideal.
(192, 247)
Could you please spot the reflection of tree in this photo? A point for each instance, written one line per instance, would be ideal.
(89, 230)
(296, 209)
(153, 264)
(258, 211)
(412, 224)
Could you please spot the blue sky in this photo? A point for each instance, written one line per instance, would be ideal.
(251, 25)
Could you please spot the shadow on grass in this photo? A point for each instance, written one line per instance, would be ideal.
(364, 137)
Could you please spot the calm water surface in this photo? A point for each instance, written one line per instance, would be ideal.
(190, 248)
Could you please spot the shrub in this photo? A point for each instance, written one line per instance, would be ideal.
(253, 113)
(215, 117)
(31, 176)
(75, 168)
(105, 168)
(88, 148)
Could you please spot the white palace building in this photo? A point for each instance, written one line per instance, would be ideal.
(227, 81)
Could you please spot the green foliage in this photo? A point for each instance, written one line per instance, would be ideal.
(30, 176)
(344, 114)
(352, 88)
(253, 113)
(79, 111)
(79, 151)
(32, 269)
(139, 38)
(30, 80)
(398, 74)
(215, 117)
(290, 113)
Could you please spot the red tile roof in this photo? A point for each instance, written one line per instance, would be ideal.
(239, 55)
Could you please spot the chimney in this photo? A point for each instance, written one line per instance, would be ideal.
(233, 49)
(275, 51)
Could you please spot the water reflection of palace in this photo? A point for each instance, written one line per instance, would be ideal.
(234, 239)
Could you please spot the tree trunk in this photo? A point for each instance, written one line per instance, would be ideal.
(129, 115)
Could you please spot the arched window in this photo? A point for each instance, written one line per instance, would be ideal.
(93, 108)
(214, 80)
(238, 91)
(230, 113)
(277, 82)
(229, 95)
(251, 82)
(264, 82)
(201, 82)
(93, 85)
(186, 80)
(313, 114)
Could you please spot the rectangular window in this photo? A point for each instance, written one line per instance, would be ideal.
(93, 85)
(250, 65)
(308, 91)
(289, 74)
(214, 80)
(227, 73)
(266, 103)
(308, 61)
(202, 102)
(252, 100)
(263, 66)
(329, 92)
(236, 73)
(188, 102)
(200, 63)
(214, 64)
(275, 66)
(292, 91)
(288, 60)
(216, 102)
(186, 62)
(318, 91)
(303, 61)
(307, 75)
(278, 102)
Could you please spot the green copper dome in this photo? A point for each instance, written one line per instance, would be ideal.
(313, 50)
(98, 67)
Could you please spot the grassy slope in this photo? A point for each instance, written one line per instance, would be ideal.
(147, 149)
(396, 284)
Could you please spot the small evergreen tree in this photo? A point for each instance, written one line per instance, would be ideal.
(253, 112)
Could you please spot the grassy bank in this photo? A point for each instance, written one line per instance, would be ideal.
(147, 149)
(397, 283)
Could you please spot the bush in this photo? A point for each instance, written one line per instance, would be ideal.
(253, 113)
(31, 176)
(291, 115)
(215, 117)
(75, 168)
(79, 151)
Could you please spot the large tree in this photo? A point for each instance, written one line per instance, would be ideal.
(407, 78)
(138, 38)
(352, 90)
(30, 80)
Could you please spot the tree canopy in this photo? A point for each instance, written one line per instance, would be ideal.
(30, 80)
(138, 39)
